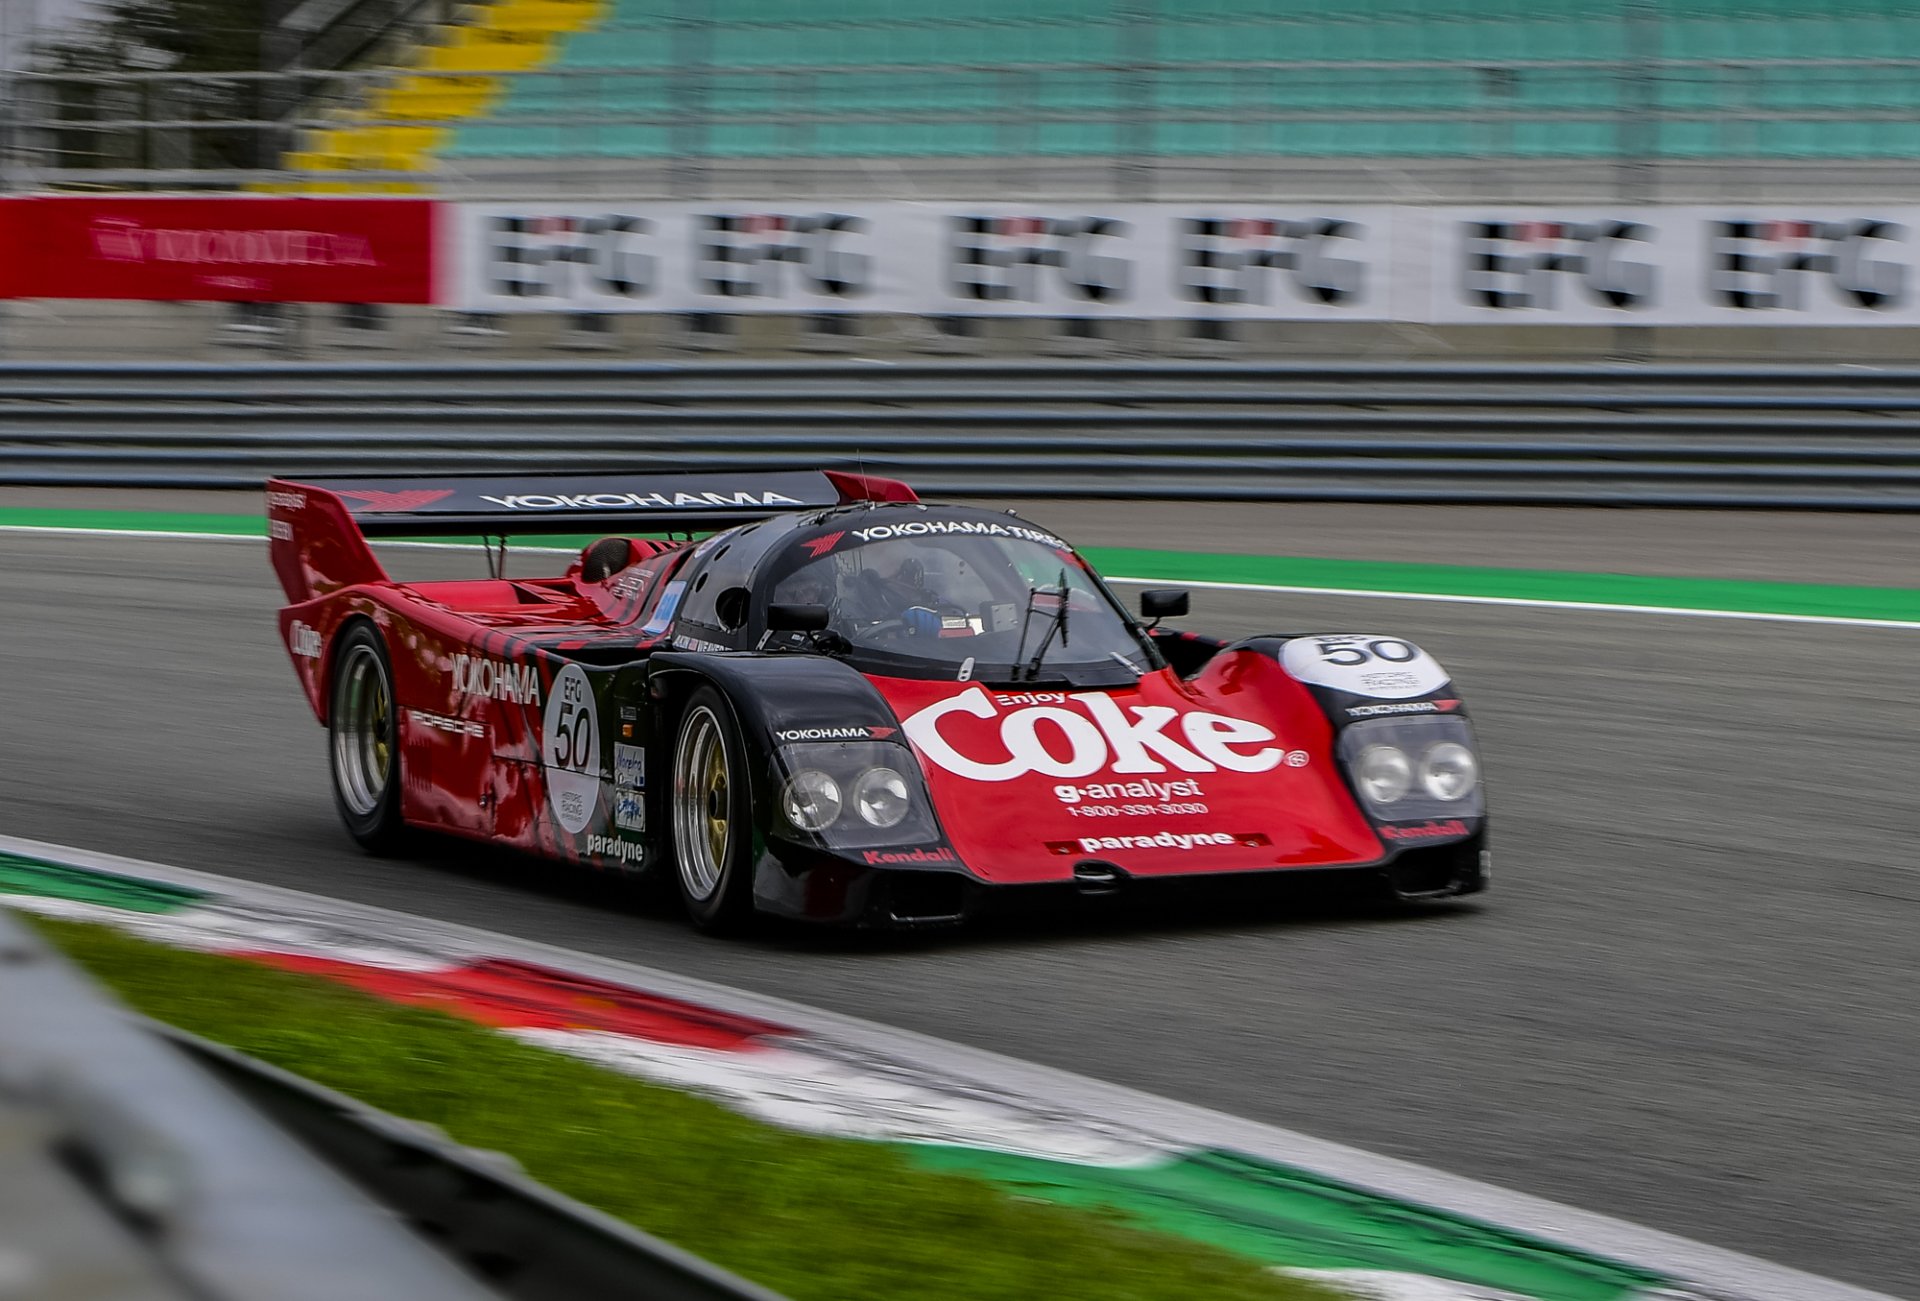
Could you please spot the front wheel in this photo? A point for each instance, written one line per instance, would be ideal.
(363, 734)
(710, 816)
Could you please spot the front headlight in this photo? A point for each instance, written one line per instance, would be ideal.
(1448, 771)
(852, 795)
(811, 800)
(1384, 772)
(881, 797)
(1408, 769)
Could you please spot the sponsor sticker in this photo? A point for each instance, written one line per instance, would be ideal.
(883, 857)
(629, 766)
(570, 750)
(1158, 840)
(1140, 790)
(287, 500)
(943, 528)
(476, 675)
(1403, 707)
(1427, 831)
(664, 611)
(279, 530)
(835, 733)
(621, 851)
(1096, 734)
(379, 501)
(303, 641)
(442, 723)
(637, 500)
(629, 811)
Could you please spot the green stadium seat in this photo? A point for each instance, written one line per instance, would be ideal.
(960, 58)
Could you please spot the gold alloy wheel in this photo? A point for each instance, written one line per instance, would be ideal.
(702, 807)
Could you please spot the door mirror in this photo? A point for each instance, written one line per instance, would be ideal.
(1164, 602)
(798, 618)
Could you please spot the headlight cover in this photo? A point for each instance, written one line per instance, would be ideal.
(1449, 771)
(1384, 773)
(811, 800)
(1413, 769)
(878, 797)
(882, 797)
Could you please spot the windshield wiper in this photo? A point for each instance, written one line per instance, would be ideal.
(1058, 624)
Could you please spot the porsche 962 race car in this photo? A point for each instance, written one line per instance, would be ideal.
(845, 704)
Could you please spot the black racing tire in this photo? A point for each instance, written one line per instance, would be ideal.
(710, 816)
(363, 740)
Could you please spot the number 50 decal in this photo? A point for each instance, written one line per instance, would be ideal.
(1353, 652)
(570, 750)
(1384, 668)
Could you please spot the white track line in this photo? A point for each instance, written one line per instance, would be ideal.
(1529, 602)
(1378, 594)
(1726, 1275)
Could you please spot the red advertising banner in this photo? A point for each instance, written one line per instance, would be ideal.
(236, 248)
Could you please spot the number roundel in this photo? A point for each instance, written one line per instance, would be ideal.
(570, 749)
(1385, 668)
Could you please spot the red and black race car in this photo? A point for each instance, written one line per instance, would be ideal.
(845, 704)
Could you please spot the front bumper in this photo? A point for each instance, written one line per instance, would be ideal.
(815, 887)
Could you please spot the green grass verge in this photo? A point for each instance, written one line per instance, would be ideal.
(812, 1217)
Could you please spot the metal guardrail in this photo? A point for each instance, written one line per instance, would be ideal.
(531, 1243)
(127, 1171)
(1833, 437)
(132, 1165)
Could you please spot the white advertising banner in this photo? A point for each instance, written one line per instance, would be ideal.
(991, 259)
(1671, 266)
(1822, 265)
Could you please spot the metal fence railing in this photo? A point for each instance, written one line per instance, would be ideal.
(1790, 437)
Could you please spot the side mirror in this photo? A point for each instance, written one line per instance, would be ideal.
(798, 618)
(1164, 602)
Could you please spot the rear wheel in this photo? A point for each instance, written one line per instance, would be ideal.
(711, 816)
(364, 741)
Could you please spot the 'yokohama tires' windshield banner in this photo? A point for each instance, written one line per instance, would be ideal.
(231, 248)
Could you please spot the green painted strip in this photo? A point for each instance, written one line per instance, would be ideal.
(1282, 1216)
(1812, 599)
(1815, 600)
(134, 521)
(32, 876)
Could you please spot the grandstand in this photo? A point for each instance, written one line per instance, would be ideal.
(552, 89)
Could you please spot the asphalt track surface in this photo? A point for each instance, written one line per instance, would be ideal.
(1688, 1001)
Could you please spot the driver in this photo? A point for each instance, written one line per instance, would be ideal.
(907, 595)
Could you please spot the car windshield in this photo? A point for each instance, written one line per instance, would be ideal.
(972, 605)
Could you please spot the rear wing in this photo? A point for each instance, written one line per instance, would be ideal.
(318, 528)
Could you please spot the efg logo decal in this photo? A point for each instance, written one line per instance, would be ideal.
(1531, 264)
(1767, 265)
(764, 254)
(1020, 259)
(1235, 261)
(570, 256)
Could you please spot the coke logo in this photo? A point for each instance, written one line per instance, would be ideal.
(1059, 741)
